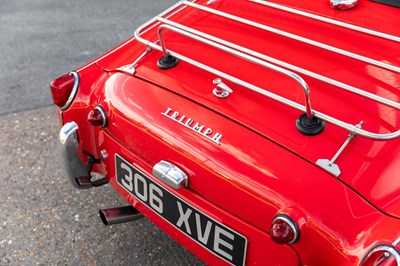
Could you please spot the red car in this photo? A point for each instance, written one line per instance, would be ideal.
(252, 132)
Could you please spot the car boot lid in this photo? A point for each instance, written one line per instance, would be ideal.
(258, 71)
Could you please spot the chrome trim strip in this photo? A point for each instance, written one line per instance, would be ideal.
(386, 248)
(295, 37)
(395, 243)
(250, 58)
(328, 20)
(73, 92)
(286, 65)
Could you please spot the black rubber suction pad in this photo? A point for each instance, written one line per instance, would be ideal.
(167, 62)
(309, 126)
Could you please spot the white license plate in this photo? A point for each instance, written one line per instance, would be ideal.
(212, 235)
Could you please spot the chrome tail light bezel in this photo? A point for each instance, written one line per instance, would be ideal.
(386, 248)
(291, 223)
(104, 118)
(73, 92)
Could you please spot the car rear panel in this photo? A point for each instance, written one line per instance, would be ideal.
(246, 175)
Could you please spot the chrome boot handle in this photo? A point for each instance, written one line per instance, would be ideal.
(170, 174)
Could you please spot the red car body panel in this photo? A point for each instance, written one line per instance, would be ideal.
(254, 164)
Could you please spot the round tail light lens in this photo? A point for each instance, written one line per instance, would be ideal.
(284, 230)
(63, 89)
(97, 117)
(382, 256)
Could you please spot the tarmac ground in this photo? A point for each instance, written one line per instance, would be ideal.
(43, 219)
(46, 221)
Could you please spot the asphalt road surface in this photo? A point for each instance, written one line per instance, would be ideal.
(43, 219)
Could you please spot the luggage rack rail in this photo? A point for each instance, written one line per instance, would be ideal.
(328, 20)
(268, 62)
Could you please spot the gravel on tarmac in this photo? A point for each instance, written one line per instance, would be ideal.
(45, 221)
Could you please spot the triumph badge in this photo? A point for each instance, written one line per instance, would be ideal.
(191, 124)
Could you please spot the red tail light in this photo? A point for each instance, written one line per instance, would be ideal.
(382, 256)
(97, 117)
(284, 230)
(63, 89)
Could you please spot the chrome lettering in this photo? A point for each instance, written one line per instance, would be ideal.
(181, 119)
(190, 123)
(167, 111)
(175, 115)
(207, 131)
(197, 127)
(217, 137)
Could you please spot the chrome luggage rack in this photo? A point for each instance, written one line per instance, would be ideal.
(311, 122)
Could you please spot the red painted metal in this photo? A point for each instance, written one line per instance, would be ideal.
(262, 166)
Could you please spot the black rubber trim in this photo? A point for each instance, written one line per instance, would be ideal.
(309, 126)
(167, 62)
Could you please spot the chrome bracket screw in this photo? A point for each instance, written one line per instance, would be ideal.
(103, 155)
